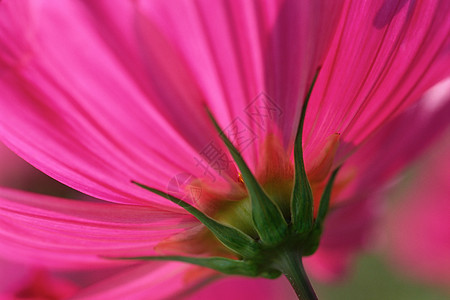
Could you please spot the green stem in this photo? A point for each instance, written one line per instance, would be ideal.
(290, 264)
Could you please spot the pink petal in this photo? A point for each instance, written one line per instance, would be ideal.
(385, 54)
(136, 101)
(398, 143)
(58, 97)
(75, 234)
(350, 225)
(146, 281)
(253, 60)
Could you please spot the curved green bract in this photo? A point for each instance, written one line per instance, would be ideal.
(325, 200)
(232, 238)
(221, 264)
(302, 197)
(267, 217)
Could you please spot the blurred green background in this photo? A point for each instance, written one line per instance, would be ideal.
(372, 279)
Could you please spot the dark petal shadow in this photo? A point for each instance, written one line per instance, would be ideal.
(389, 10)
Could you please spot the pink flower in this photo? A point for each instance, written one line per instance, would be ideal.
(417, 235)
(98, 95)
(20, 282)
(371, 171)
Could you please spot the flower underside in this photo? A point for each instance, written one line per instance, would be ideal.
(272, 230)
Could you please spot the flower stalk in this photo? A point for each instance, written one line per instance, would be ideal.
(290, 264)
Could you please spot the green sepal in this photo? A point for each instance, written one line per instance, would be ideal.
(325, 200)
(221, 264)
(230, 237)
(313, 240)
(302, 197)
(267, 217)
(270, 274)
